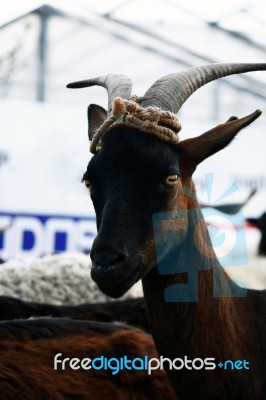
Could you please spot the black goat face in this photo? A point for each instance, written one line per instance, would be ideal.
(133, 176)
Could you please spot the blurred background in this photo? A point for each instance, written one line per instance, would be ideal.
(44, 147)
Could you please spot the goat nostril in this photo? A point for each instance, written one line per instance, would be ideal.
(107, 259)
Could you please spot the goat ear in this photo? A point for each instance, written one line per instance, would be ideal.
(195, 150)
(96, 117)
(253, 221)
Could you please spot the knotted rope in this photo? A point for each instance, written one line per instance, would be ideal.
(153, 120)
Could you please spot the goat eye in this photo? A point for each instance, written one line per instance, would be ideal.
(87, 184)
(171, 180)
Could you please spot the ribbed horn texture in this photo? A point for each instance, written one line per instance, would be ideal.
(171, 91)
(116, 85)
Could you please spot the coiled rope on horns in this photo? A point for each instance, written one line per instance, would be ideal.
(153, 120)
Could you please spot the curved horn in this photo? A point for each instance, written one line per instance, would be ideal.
(115, 84)
(171, 91)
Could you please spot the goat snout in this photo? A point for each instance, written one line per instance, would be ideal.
(114, 270)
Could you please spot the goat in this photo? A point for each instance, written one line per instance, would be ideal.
(30, 350)
(231, 208)
(150, 227)
(130, 311)
(260, 223)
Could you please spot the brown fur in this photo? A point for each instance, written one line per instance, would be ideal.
(26, 366)
(223, 327)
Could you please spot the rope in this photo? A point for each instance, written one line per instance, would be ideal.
(153, 120)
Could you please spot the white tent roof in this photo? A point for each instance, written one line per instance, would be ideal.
(143, 39)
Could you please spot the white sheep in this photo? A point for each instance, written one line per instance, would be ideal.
(55, 279)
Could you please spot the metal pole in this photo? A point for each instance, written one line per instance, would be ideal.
(42, 58)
